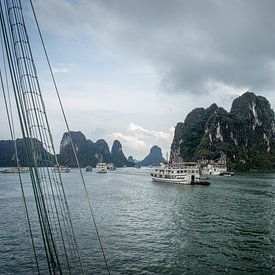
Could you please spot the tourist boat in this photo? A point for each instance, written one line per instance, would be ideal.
(182, 173)
(61, 169)
(101, 167)
(15, 170)
(89, 169)
(214, 169)
(111, 167)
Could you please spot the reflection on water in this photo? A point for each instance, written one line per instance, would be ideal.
(150, 228)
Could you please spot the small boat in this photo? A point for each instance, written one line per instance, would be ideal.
(227, 174)
(61, 169)
(89, 169)
(111, 167)
(201, 182)
(137, 166)
(101, 167)
(181, 173)
(15, 170)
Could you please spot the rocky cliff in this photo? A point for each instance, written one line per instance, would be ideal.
(90, 153)
(118, 157)
(132, 160)
(154, 157)
(246, 134)
(7, 152)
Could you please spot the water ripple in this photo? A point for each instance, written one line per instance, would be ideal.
(149, 228)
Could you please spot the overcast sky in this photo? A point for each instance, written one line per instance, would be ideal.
(130, 70)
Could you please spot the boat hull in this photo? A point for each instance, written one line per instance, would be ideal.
(101, 171)
(14, 170)
(176, 181)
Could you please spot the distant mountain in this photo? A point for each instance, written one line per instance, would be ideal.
(154, 157)
(246, 134)
(132, 160)
(7, 152)
(90, 153)
(118, 158)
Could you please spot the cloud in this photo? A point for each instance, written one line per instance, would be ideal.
(60, 70)
(131, 142)
(137, 140)
(141, 132)
(189, 43)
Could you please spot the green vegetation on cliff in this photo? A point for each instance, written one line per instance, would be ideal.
(246, 134)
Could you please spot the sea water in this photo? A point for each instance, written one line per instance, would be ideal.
(152, 228)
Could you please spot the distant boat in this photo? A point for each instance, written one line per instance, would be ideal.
(101, 167)
(61, 169)
(137, 166)
(89, 169)
(111, 167)
(214, 169)
(182, 173)
(227, 174)
(15, 170)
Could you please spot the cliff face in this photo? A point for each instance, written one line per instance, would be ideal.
(90, 153)
(189, 134)
(118, 156)
(7, 152)
(246, 134)
(154, 157)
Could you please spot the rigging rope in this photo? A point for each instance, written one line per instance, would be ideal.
(21, 118)
(60, 244)
(52, 207)
(70, 137)
(11, 127)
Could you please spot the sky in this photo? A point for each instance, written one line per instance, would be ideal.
(130, 70)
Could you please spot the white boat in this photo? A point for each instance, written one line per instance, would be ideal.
(182, 173)
(111, 167)
(101, 167)
(15, 170)
(214, 169)
(61, 169)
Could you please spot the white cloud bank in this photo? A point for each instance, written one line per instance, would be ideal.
(137, 140)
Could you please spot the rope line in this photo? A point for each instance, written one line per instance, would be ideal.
(55, 222)
(11, 127)
(70, 137)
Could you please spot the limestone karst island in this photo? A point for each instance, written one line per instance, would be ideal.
(137, 137)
